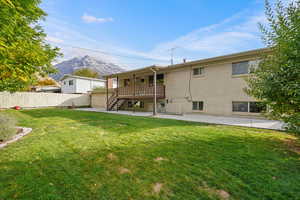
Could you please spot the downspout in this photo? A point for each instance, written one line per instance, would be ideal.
(155, 99)
(106, 93)
(134, 93)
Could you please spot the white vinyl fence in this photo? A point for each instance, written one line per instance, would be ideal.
(36, 100)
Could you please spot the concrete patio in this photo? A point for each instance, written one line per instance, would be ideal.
(234, 121)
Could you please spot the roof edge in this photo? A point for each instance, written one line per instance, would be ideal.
(80, 77)
(224, 57)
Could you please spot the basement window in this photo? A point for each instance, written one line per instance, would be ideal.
(257, 107)
(239, 106)
(198, 105)
(252, 107)
(142, 104)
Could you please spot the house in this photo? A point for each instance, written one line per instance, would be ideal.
(79, 84)
(212, 86)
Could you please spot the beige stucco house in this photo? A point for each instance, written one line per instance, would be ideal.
(212, 86)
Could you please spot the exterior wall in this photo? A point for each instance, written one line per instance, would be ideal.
(84, 86)
(98, 99)
(66, 88)
(217, 88)
(35, 100)
(80, 85)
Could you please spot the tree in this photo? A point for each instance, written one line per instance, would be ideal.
(277, 79)
(45, 82)
(86, 72)
(24, 54)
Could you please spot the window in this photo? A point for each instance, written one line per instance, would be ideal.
(126, 82)
(142, 80)
(197, 105)
(240, 106)
(253, 107)
(240, 68)
(142, 104)
(151, 79)
(257, 107)
(70, 82)
(159, 79)
(198, 71)
(64, 82)
(129, 104)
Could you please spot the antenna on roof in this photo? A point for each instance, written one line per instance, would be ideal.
(172, 53)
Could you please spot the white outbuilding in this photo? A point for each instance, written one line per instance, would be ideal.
(78, 84)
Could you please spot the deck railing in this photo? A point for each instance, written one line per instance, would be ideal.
(141, 91)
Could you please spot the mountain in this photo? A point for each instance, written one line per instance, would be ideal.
(69, 66)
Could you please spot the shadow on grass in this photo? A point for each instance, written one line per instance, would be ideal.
(114, 123)
(245, 167)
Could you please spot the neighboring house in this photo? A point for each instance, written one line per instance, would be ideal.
(213, 86)
(78, 84)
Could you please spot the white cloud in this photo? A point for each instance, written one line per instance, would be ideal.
(73, 38)
(237, 33)
(92, 19)
(54, 39)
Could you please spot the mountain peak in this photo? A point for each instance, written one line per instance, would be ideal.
(102, 67)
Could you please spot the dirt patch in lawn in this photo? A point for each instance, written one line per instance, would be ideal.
(157, 188)
(123, 170)
(222, 194)
(112, 156)
(293, 145)
(160, 159)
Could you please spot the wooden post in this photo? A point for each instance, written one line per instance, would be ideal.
(106, 93)
(117, 92)
(154, 99)
(133, 93)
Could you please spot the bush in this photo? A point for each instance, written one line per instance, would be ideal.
(99, 89)
(7, 127)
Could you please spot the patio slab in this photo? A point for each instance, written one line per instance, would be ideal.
(226, 120)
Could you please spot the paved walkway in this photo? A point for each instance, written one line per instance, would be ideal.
(235, 121)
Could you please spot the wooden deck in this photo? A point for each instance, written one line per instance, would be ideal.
(140, 92)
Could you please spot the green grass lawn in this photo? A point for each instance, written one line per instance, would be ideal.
(86, 155)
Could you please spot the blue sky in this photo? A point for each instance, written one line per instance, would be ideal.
(138, 33)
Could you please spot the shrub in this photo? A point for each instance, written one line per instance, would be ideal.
(99, 89)
(7, 127)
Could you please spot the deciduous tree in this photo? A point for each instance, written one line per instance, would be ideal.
(86, 72)
(24, 54)
(277, 79)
